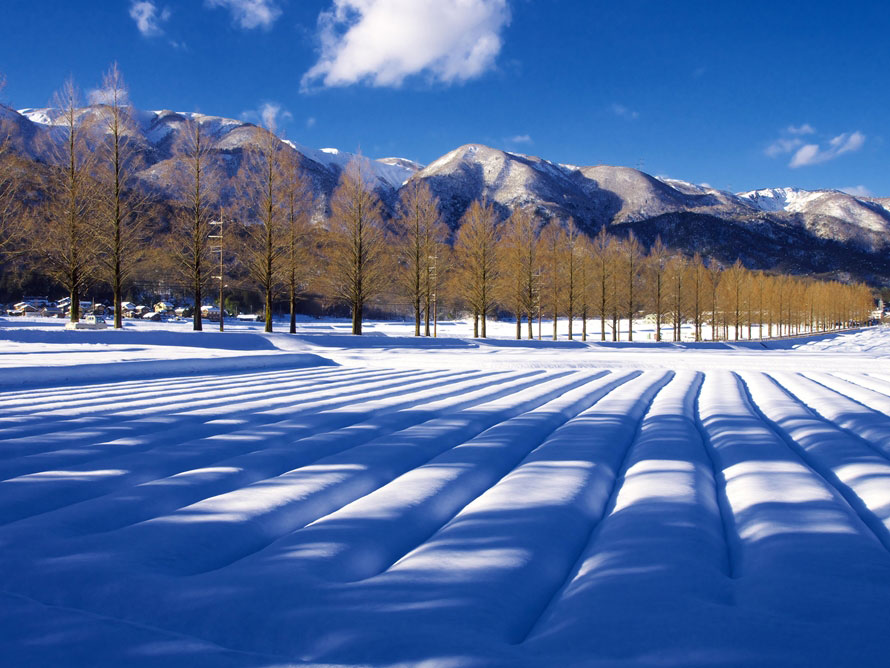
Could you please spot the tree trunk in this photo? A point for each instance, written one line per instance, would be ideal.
(356, 318)
(417, 316)
(293, 309)
(196, 316)
(74, 306)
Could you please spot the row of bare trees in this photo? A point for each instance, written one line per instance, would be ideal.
(89, 224)
(553, 270)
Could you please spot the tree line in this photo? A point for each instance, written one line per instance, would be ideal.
(84, 219)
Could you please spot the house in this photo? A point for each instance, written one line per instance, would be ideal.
(95, 309)
(210, 313)
(164, 307)
(22, 308)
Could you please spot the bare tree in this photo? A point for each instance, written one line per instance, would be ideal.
(697, 279)
(64, 244)
(630, 257)
(734, 279)
(475, 262)
(714, 277)
(676, 278)
(552, 257)
(518, 267)
(602, 272)
(354, 244)
(264, 176)
(191, 225)
(585, 281)
(119, 230)
(421, 238)
(11, 171)
(298, 260)
(656, 267)
(571, 269)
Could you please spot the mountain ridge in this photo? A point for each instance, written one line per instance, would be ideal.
(821, 223)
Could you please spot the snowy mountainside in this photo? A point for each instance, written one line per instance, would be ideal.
(604, 195)
(159, 130)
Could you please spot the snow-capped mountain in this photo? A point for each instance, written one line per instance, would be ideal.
(607, 195)
(158, 132)
(809, 231)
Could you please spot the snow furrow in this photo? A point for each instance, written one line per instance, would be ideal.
(791, 527)
(107, 471)
(857, 392)
(272, 451)
(102, 395)
(851, 415)
(196, 400)
(91, 443)
(659, 551)
(218, 531)
(498, 562)
(867, 381)
(66, 427)
(367, 536)
(846, 462)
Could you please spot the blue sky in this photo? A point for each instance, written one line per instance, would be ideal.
(739, 95)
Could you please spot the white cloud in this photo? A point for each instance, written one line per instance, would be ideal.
(382, 42)
(813, 154)
(624, 112)
(857, 191)
(521, 139)
(148, 19)
(250, 14)
(106, 96)
(270, 115)
(310, 122)
(782, 146)
(271, 112)
(805, 129)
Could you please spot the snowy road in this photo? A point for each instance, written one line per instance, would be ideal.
(532, 509)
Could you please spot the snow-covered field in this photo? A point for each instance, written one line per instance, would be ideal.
(170, 498)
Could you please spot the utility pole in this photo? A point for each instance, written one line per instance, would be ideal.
(435, 284)
(218, 248)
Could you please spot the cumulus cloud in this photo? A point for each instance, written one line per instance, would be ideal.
(382, 42)
(623, 112)
(250, 14)
(147, 17)
(814, 154)
(857, 191)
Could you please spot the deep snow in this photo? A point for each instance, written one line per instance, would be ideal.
(244, 499)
